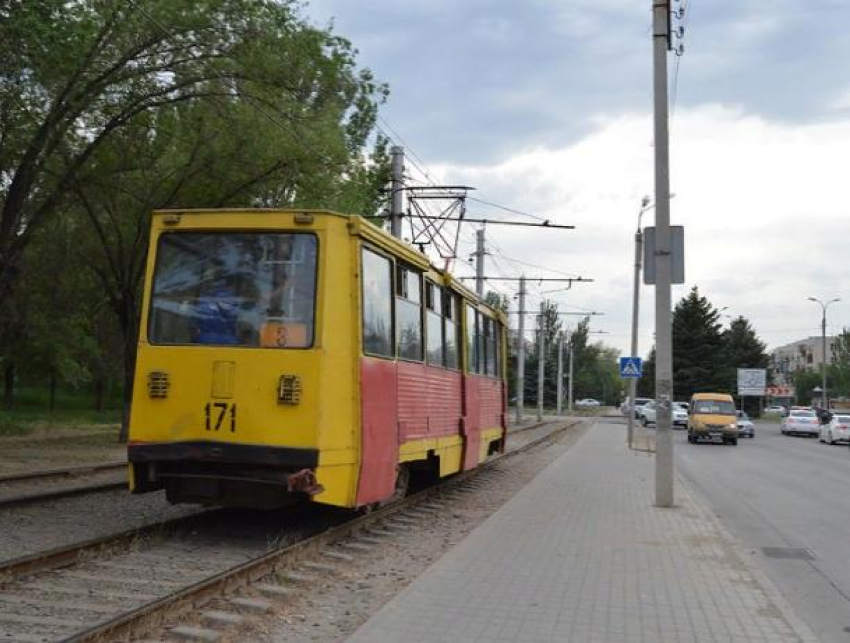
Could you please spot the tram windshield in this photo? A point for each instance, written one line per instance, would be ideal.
(235, 289)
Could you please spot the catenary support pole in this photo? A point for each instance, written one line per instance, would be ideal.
(520, 354)
(824, 398)
(663, 330)
(560, 390)
(397, 190)
(570, 377)
(479, 262)
(630, 433)
(541, 361)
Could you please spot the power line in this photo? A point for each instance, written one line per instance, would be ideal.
(425, 172)
(507, 209)
(546, 224)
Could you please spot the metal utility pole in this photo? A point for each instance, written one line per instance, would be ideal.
(663, 265)
(397, 190)
(479, 262)
(560, 372)
(824, 306)
(520, 359)
(630, 433)
(570, 385)
(541, 351)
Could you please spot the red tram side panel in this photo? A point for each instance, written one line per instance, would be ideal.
(379, 437)
(404, 402)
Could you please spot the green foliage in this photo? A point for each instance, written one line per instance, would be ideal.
(646, 383)
(496, 300)
(595, 370)
(697, 347)
(109, 110)
(839, 371)
(705, 357)
(11, 428)
(805, 382)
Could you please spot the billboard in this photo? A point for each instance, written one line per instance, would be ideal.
(752, 381)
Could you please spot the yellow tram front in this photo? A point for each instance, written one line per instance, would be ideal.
(240, 340)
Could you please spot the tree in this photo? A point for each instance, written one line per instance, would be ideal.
(839, 370)
(805, 382)
(74, 76)
(741, 349)
(110, 110)
(646, 383)
(697, 347)
(497, 301)
(550, 322)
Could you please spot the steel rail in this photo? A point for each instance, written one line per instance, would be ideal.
(68, 472)
(64, 556)
(55, 494)
(154, 614)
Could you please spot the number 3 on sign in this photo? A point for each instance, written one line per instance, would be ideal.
(215, 414)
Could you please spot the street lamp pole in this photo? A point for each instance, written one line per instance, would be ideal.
(644, 206)
(824, 306)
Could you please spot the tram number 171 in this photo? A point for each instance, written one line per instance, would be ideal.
(216, 413)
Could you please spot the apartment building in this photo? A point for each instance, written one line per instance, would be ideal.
(804, 354)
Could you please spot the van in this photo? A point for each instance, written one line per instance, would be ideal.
(712, 417)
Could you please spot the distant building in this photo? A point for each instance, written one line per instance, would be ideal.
(802, 355)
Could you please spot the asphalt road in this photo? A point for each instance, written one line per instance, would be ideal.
(779, 491)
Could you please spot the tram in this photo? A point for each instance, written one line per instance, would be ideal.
(298, 354)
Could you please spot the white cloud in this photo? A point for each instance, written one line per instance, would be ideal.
(764, 205)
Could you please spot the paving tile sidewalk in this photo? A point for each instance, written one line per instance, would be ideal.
(581, 555)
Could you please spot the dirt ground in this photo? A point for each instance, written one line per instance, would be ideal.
(58, 448)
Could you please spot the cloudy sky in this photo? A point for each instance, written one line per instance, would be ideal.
(546, 106)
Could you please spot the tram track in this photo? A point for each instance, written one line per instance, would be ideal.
(131, 583)
(33, 482)
(51, 484)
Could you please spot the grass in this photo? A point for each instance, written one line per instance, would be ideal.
(72, 411)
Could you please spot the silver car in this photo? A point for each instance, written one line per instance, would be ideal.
(801, 422)
(746, 429)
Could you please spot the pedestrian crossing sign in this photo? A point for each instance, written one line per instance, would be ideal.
(631, 367)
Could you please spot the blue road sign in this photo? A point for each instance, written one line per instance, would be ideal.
(631, 367)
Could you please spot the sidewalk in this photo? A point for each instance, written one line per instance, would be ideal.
(581, 555)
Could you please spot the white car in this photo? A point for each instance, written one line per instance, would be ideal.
(587, 402)
(649, 415)
(746, 428)
(775, 410)
(838, 430)
(802, 421)
(639, 402)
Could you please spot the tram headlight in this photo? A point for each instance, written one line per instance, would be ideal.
(289, 389)
(158, 384)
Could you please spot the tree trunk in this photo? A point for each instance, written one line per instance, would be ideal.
(52, 403)
(9, 385)
(98, 394)
(129, 331)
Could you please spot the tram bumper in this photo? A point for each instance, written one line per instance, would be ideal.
(215, 473)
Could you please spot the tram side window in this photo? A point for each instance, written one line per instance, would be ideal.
(377, 304)
(434, 319)
(450, 319)
(472, 344)
(409, 313)
(492, 349)
(486, 340)
(497, 345)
